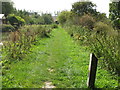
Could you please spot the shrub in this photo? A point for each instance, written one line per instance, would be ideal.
(102, 28)
(105, 45)
(20, 42)
(7, 28)
(87, 21)
(15, 21)
(103, 40)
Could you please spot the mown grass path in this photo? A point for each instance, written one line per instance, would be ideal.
(57, 60)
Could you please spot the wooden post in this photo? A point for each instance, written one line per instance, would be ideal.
(92, 71)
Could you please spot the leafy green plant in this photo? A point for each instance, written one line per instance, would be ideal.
(58, 60)
(102, 40)
(16, 21)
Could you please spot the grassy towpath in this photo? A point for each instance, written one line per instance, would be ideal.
(57, 61)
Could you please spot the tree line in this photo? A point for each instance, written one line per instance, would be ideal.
(18, 18)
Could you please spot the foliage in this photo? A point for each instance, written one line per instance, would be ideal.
(106, 48)
(102, 40)
(100, 17)
(81, 8)
(47, 18)
(7, 8)
(34, 17)
(65, 16)
(40, 20)
(115, 13)
(25, 15)
(94, 30)
(102, 29)
(7, 28)
(21, 13)
(87, 21)
(16, 21)
(63, 64)
(19, 43)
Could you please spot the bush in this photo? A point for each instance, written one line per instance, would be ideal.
(102, 28)
(15, 21)
(87, 21)
(107, 49)
(7, 28)
(20, 42)
(102, 41)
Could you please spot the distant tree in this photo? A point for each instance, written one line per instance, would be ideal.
(114, 14)
(27, 16)
(40, 20)
(64, 16)
(81, 8)
(47, 18)
(7, 8)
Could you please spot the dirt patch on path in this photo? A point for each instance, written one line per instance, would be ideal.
(48, 85)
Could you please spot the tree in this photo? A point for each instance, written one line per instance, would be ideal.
(81, 8)
(15, 21)
(7, 8)
(40, 20)
(64, 16)
(23, 14)
(114, 14)
(47, 18)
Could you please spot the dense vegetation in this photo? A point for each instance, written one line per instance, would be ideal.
(96, 31)
(32, 45)
(51, 60)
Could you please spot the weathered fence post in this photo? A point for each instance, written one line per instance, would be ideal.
(92, 71)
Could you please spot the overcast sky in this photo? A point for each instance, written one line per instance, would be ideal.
(56, 5)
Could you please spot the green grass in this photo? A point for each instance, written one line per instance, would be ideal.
(59, 53)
